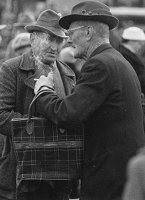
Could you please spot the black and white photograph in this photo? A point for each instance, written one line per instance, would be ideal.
(72, 99)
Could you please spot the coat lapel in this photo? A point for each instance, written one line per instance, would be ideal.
(68, 77)
(30, 82)
(28, 65)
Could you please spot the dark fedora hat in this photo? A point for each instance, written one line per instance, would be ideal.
(89, 10)
(48, 21)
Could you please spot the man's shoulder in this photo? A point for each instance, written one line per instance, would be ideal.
(9, 68)
(16, 62)
(13, 62)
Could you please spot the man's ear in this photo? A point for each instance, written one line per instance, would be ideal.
(89, 32)
(31, 38)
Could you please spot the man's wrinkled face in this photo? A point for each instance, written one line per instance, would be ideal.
(45, 46)
(77, 36)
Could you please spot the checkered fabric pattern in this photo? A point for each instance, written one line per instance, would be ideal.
(49, 153)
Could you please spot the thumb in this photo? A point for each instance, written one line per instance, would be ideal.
(50, 75)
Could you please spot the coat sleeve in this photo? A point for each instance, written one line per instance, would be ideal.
(7, 98)
(90, 92)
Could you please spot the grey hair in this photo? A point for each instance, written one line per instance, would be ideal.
(36, 34)
(101, 30)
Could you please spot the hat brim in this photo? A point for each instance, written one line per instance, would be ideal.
(111, 21)
(31, 28)
(19, 24)
(2, 26)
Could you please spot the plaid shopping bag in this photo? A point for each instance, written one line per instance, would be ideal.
(45, 151)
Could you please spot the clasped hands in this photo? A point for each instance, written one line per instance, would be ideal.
(44, 82)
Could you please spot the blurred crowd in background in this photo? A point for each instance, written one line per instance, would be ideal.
(15, 14)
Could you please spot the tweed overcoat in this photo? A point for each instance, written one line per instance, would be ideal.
(107, 99)
(16, 92)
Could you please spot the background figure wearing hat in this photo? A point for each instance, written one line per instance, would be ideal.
(16, 92)
(106, 99)
(24, 18)
(21, 44)
(18, 27)
(133, 39)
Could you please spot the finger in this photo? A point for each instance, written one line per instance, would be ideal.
(50, 74)
(35, 90)
(42, 76)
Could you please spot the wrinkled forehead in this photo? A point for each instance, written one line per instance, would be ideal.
(47, 37)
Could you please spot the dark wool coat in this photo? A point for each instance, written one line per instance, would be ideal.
(107, 98)
(136, 63)
(16, 92)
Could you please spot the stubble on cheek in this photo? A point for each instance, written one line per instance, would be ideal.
(38, 48)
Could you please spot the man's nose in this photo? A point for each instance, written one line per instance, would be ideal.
(69, 40)
(54, 45)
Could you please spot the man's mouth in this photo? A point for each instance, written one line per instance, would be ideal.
(51, 53)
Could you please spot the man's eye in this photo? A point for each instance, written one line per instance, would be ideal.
(59, 40)
(52, 38)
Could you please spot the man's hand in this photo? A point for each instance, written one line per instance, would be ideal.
(44, 81)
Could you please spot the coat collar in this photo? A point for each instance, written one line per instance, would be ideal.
(28, 64)
(100, 49)
(66, 71)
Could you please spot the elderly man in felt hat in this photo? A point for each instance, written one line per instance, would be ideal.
(17, 80)
(18, 27)
(106, 98)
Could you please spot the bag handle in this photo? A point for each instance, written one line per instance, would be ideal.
(29, 125)
(33, 101)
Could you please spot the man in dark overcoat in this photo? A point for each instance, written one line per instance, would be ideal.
(106, 98)
(133, 39)
(17, 80)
